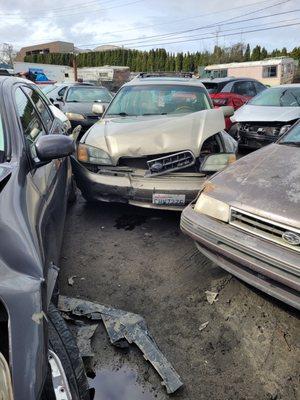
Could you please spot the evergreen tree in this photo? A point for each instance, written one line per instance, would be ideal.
(247, 53)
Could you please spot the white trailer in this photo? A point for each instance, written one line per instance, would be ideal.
(272, 71)
(57, 73)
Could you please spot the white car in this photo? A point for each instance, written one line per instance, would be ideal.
(267, 116)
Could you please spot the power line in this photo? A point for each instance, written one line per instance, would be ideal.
(188, 18)
(212, 37)
(227, 21)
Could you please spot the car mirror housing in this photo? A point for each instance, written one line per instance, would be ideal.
(50, 147)
(98, 109)
(228, 111)
(216, 162)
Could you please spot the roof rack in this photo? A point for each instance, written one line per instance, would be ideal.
(165, 74)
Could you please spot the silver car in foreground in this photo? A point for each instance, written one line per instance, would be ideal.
(247, 219)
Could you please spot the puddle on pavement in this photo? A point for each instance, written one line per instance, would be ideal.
(119, 384)
(129, 222)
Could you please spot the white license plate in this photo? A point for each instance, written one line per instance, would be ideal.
(168, 199)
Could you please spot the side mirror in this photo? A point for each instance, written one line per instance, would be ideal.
(98, 109)
(228, 111)
(50, 147)
(216, 162)
(59, 98)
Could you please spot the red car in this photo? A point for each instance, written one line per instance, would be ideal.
(232, 92)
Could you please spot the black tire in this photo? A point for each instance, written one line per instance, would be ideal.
(73, 192)
(62, 342)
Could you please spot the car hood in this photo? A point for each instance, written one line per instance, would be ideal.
(80, 108)
(151, 135)
(250, 113)
(265, 183)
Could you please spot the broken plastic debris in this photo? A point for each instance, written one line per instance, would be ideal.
(37, 317)
(123, 326)
(71, 280)
(203, 326)
(211, 296)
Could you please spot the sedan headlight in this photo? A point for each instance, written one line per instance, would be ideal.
(284, 129)
(5, 380)
(74, 116)
(92, 155)
(212, 207)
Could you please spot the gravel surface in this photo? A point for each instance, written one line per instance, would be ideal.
(244, 345)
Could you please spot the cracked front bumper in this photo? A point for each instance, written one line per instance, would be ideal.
(264, 265)
(133, 188)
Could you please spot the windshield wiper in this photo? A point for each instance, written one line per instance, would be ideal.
(291, 143)
(163, 113)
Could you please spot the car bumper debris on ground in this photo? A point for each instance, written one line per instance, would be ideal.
(122, 325)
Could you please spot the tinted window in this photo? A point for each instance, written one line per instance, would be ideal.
(211, 87)
(61, 92)
(228, 87)
(40, 105)
(88, 94)
(159, 100)
(259, 87)
(244, 88)
(32, 126)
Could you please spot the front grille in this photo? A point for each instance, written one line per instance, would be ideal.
(170, 163)
(265, 228)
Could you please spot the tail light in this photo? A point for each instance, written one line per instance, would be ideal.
(220, 102)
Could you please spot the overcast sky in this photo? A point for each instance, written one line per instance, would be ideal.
(141, 23)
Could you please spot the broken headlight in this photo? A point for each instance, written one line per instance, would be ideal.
(5, 380)
(92, 155)
(212, 207)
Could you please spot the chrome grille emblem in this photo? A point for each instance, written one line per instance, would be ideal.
(291, 238)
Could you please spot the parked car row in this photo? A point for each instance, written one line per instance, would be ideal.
(159, 143)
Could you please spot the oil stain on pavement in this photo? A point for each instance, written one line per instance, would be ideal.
(119, 384)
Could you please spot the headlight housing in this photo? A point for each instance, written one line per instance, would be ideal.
(212, 207)
(92, 155)
(5, 380)
(74, 116)
(284, 129)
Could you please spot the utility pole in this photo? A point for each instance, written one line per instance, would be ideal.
(75, 67)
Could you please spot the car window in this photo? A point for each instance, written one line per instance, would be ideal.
(88, 94)
(61, 92)
(228, 87)
(211, 87)
(244, 88)
(259, 87)
(280, 96)
(31, 123)
(1, 137)
(158, 100)
(41, 106)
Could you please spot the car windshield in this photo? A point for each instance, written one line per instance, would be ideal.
(278, 97)
(158, 100)
(292, 137)
(88, 94)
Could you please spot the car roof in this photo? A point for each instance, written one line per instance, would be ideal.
(226, 80)
(139, 81)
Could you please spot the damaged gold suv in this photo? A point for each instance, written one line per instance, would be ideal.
(154, 145)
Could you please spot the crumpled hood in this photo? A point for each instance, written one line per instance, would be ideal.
(150, 135)
(249, 113)
(266, 183)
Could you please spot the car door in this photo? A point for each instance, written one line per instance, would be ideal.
(50, 179)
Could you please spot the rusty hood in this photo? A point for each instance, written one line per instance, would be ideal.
(151, 135)
(265, 183)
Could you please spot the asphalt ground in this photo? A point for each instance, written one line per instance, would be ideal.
(138, 260)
